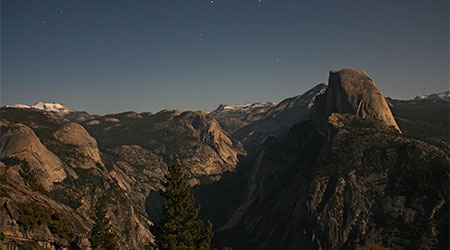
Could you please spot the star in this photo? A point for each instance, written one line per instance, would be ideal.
(44, 21)
(212, 2)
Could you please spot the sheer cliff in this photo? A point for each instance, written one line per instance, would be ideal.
(343, 179)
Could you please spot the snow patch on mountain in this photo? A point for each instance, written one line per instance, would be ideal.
(439, 96)
(44, 106)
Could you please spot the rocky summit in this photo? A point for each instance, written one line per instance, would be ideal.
(337, 167)
(352, 91)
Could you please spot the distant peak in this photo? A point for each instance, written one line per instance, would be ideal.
(353, 91)
(439, 96)
(44, 106)
(243, 107)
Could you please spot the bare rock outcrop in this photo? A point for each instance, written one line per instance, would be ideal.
(215, 152)
(352, 91)
(20, 141)
(363, 184)
(210, 132)
(76, 135)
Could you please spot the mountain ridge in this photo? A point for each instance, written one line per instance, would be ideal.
(336, 182)
(341, 181)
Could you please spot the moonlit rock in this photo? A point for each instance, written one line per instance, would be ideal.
(352, 91)
(76, 135)
(44, 106)
(20, 141)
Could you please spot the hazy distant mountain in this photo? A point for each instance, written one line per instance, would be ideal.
(233, 117)
(53, 107)
(57, 110)
(278, 119)
(439, 96)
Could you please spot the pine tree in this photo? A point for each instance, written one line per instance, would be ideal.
(180, 227)
(102, 237)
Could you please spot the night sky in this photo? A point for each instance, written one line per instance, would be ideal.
(111, 56)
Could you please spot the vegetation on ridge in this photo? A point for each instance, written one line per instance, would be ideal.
(180, 228)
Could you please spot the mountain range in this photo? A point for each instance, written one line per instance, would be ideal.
(337, 167)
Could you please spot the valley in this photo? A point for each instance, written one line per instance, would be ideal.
(336, 167)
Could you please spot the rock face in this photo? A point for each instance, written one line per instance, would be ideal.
(123, 164)
(21, 142)
(356, 181)
(61, 216)
(31, 220)
(209, 132)
(75, 134)
(195, 139)
(343, 179)
(365, 184)
(277, 120)
(352, 91)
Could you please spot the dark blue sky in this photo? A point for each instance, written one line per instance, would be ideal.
(111, 56)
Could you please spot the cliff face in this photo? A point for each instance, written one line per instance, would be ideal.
(203, 148)
(48, 198)
(74, 134)
(329, 170)
(343, 179)
(366, 184)
(21, 142)
(352, 91)
(219, 152)
(66, 170)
